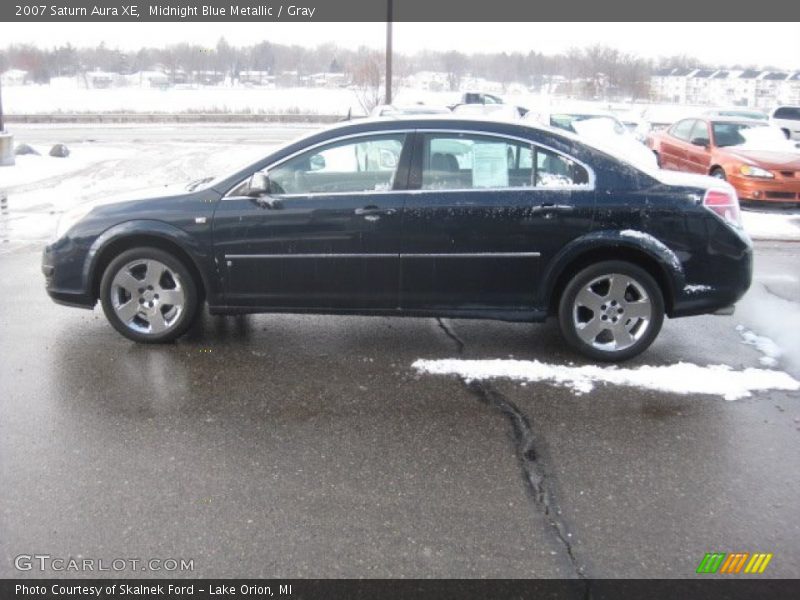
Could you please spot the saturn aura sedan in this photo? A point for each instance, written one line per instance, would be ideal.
(426, 217)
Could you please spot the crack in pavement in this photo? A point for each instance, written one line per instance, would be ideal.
(535, 473)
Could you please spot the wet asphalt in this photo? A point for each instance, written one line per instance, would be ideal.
(307, 446)
(299, 446)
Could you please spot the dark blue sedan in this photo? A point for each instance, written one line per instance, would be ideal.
(418, 217)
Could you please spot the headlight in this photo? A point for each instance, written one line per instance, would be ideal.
(70, 218)
(751, 171)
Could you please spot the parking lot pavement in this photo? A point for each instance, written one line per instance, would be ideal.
(307, 446)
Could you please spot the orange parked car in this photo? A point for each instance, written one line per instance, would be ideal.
(754, 157)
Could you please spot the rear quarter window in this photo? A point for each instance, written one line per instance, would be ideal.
(791, 113)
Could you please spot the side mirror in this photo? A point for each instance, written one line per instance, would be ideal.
(698, 141)
(258, 185)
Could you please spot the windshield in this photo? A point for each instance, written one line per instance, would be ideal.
(731, 134)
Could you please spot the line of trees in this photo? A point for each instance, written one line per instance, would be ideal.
(587, 72)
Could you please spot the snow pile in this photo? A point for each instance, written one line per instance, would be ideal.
(770, 350)
(771, 226)
(775, 317)
(602, 133)
(770, 139)
(680, 378)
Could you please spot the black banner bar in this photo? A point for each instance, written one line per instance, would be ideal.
(402, 10)
(734, 588)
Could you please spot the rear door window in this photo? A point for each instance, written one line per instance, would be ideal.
(683, 129)
(465, 161)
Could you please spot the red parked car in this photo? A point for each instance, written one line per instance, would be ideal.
(753, 156)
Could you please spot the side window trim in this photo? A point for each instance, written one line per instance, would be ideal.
(415, 178)
(409, 135)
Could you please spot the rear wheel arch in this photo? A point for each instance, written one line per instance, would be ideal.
(138, 240)
(592, 255)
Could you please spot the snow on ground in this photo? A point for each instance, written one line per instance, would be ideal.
(770, 350)
(771, 226)
(30, 168)
(680, 378)
(31, 99)
(774, 321)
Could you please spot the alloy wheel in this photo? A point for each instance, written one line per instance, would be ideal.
(612, 312)
(147, 296)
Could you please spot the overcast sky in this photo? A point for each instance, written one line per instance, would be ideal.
(718, 43)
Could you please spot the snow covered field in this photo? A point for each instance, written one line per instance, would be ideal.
(31, 99)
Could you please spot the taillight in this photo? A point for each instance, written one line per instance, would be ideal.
(725, 204)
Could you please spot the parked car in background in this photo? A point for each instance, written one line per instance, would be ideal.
(502, 112)
(737, 113)
(398, 110)
(486, 104)
(787, 118)
(753, 156)
(602, 129)
(416, 217)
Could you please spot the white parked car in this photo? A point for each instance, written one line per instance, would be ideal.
(602, 130)
(395, 110)
(788, 119)
(497, 112)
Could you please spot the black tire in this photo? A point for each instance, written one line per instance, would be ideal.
(643, 284)
(719, 173)
(177, 274)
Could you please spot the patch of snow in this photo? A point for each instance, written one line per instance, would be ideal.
(641, 235)
(696, 288)
(680, 378)
(770, 350)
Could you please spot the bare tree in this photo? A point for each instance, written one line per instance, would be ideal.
(367, 73)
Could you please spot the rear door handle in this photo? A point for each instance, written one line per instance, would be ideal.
(550, 208)
(374, 210)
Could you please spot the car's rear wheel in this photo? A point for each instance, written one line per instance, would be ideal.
(719, 174)
(611, 311)
(148, 295)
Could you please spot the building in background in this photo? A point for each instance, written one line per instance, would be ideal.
(752, 88)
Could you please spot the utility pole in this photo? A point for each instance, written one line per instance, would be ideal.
(389, 7)
(2, 125)
(6, 142)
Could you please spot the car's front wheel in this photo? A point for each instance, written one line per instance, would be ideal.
(148, 295)
(611, 311)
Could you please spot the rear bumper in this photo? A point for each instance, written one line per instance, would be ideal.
(778, 190)
(722, 277)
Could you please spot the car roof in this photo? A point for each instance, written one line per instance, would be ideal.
(731, 119)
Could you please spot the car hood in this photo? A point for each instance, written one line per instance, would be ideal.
(769, 159)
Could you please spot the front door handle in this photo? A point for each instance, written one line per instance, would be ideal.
(374, 210)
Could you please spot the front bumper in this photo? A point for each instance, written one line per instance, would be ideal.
(59, 270)
(782, 189)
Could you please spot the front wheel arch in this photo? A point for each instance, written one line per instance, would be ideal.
(109, 252)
